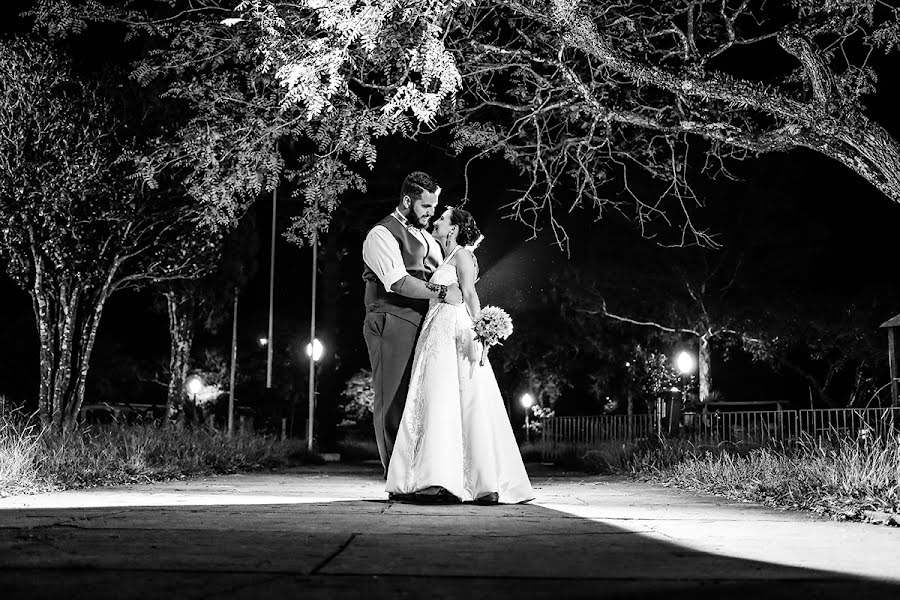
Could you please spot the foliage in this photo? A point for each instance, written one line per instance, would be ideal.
(119, 453)
(573, 93)
(823, 347)
(651, 372)
(842, 477)
(19, 444)
(358, 397)
(538, 412)
(76, 228)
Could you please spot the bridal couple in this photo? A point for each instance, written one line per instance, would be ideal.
(442, 430)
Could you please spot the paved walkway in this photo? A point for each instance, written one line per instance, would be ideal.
(324, 532)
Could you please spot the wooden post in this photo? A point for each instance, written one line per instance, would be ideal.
(892, 364)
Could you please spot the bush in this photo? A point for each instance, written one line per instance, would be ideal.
(841, 477)
(32, 460)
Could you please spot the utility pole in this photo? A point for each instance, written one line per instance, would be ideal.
(271, 342)
(312, 339)
(233, 364)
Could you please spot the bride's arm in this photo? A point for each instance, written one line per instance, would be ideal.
(467, 272)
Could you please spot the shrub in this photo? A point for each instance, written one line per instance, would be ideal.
(31, 460)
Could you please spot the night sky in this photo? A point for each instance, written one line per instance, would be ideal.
(825, 231)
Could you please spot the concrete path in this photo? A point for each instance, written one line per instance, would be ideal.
(323, 532)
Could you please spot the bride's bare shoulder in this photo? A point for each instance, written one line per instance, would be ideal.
(464, 257)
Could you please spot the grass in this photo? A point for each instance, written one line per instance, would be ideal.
(843, 478)
(32, 460)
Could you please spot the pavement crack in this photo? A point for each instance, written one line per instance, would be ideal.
(333, 555)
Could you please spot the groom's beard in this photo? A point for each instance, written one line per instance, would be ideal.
(417, 222)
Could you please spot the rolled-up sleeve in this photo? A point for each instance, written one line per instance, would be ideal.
(381, 252)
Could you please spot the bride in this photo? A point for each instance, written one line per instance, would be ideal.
(455, 442)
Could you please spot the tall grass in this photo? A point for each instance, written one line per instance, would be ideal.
(842, 477)
(19, 445)
(33, 460)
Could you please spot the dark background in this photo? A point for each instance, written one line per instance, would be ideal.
(823, 233)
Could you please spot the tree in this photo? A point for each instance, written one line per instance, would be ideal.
(76, 228)
(205, 301)
(704, 303)
(836, 348)
(573, 92)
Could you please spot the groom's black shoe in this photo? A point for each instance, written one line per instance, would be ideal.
(393, 497)
(441, 496)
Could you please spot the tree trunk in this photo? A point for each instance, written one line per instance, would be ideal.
(67, 320)
(704, 373)
(181, 309)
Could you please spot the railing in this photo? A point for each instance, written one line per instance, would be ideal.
(565, 434)
(559, 434)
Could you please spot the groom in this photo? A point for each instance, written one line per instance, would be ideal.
(400, 256)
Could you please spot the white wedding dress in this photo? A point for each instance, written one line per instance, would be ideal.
(455, 432)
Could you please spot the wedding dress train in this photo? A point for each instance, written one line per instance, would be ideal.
(455, 432)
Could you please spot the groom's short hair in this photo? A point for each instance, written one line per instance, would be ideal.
(416, 183)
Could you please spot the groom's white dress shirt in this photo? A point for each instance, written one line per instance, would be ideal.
(381, 251)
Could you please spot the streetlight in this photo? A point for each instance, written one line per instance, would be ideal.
(685, 362)
(527, 400)
(686, 365)
(263, 341)
(193, 385)
(314, 350)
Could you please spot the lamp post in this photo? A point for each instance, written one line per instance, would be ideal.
(527, 400)
(193, 385)
(314, 351)
(314, 247)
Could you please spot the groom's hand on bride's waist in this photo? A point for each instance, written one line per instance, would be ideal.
(454, 295)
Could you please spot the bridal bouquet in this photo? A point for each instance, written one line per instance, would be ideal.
(491, 326)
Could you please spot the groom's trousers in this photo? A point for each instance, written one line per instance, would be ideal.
(391, 341)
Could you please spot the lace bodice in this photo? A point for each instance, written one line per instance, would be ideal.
(444, 275)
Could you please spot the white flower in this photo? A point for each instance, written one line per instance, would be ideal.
(493, 324)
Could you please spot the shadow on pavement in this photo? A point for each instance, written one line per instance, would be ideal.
(375, 549)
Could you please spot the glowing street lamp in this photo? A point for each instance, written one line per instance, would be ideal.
(527, 400)
(263, 341)
(685, 362)
(686, 365)
(193, 385)
(315, 350)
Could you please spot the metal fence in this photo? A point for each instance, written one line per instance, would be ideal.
(563, 434)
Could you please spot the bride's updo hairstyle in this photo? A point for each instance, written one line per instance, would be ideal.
(468, 231)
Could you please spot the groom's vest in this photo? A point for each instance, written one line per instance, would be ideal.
(417, 263)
